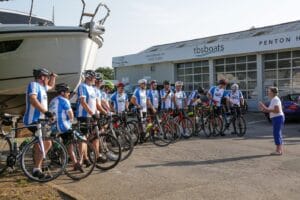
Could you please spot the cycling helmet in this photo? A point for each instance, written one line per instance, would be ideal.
(153, 82)
(41, 72)
(200, 90)
(222, 82)
(109, 84)
(62, 87)
(99, 76)
(166, 82)
(177, 83)
(89, 73)
(142, 81)
(120, 84)
(235, 86)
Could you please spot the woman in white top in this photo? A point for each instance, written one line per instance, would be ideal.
(277, 117)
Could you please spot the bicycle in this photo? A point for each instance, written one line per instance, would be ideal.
(185, 123)
(10, 152)
(109, 147)
(77, 168)
(237, 121)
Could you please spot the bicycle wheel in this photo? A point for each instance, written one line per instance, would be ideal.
(5, 151)
(206, 127)
(175, 130)
(240, 126)
(164, 137)
(110, 150)
(52, 166)
(126, 143)
(187, 127)
(215, 126)
(80, 168)
(134, 131)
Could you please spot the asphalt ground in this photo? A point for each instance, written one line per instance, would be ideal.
(203, 168)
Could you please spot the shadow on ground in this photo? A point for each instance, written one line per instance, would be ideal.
(202, 162)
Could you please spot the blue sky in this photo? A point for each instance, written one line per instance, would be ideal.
(135, 25)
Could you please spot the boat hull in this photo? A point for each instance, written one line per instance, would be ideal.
(66, 53)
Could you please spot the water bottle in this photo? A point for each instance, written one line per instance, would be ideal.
(15, 146)
(24, 143)
(149, 126)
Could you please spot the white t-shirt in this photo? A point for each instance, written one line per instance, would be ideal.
(275, 102)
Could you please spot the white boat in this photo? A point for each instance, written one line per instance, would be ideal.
(65, 50)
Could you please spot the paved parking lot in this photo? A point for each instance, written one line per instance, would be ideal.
(199, 168)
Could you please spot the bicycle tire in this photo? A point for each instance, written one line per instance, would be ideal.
(76, 173)
(126, 143)
(187, 127)
(53, 165)
(110, 149)
(5, 151)
(134, 131)
(163, 138)
(240, 125)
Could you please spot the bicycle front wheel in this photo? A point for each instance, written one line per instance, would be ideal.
(187, 127)
(52, 165)
(110, 150)
(5, 150)
(78, 167)
(240, 126)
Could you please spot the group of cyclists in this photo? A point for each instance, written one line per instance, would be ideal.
(94, 99)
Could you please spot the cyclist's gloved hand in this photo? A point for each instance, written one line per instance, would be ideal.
(49, 114)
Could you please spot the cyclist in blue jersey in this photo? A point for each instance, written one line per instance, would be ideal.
(166, 96)
(179, 98)
(108, 87)
(141, 102)
(119, 99)
(235, 96)
(60, 105)
(87, 107)
(37, 108)
(197, 97)
(217, 93)
(153, 94)
(99, 94)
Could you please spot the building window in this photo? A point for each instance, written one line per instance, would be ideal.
(193, 74)
(282, 69)
(241, 70)
(7, 46)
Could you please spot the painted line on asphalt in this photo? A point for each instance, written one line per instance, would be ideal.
(255, 122)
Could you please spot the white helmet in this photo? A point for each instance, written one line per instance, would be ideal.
(235, 86)
(142, 81)
(179, 83)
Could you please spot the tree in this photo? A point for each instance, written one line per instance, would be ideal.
(108, 72)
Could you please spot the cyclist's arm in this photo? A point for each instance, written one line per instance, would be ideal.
(100, 108)
(105, 105)
(70, 115)
(85, 105)
(134, 101)
(34, 101)
(51, 82)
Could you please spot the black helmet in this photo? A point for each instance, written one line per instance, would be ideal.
(166, 82)
(222, 82)
(89, 73)
(62, 87)
(41, 72)
(99, 76)
(200, 90)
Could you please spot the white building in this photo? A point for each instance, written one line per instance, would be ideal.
(255, 59)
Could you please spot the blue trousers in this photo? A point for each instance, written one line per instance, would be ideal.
(277, 129)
